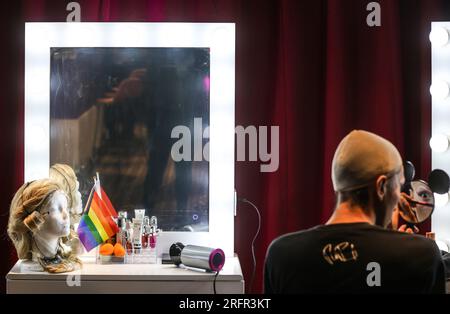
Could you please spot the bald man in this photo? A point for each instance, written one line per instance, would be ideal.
(354, 252)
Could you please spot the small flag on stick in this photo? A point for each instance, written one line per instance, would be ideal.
(97, 224)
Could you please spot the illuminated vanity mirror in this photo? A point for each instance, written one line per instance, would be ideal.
(107, 98)
(113, 111)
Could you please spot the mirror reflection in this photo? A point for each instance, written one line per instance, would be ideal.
(112, 111)
(421, 203)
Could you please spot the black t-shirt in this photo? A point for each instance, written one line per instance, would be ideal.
(353, 258)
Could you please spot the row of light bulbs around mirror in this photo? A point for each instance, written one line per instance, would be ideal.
(440, 90)
(439, 37)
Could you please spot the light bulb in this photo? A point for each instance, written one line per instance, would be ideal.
(439, 36)
(439, 143)
(439, 89)
(440, 200)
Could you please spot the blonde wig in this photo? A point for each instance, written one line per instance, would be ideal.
(67, 178)
(25, 219)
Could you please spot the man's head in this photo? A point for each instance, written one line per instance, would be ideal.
(367, 171)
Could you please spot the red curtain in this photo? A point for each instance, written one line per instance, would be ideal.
(313, 67)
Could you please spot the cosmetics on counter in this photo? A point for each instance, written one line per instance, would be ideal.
(138, 237)
(150, 232)
(128, 237)
(122, 223)
(153, 231)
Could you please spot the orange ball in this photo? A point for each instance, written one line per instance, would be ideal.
(119, 250)
(106, 249)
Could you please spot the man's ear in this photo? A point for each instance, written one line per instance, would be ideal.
(380, 186)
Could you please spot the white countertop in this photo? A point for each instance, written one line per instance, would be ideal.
(27, 270)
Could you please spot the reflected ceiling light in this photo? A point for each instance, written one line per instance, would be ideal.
(439, 143)
(439, 36)
(440, 200)
(440, 89)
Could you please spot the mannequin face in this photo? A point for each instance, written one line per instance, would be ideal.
(57, 221)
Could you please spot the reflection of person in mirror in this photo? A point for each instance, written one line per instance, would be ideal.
(423, 194)
(407, 212)
(415, 207)
(367, 176)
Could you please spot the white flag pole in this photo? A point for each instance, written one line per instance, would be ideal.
(88, 203)
(97, 186)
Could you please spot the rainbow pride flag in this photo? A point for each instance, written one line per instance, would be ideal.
(97, 225)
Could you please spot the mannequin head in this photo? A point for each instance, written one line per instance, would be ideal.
(38, 213)
(65, 176)
(38, 222)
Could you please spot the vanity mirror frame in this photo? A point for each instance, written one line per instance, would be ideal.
(219, 37)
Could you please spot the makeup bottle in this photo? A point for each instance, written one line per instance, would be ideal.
(128, 237)
(145, 232)
(137, 236)
(122, 214)
(121, 223)
(153, 232)
(121, 234)
(139, 214)
(152, 237)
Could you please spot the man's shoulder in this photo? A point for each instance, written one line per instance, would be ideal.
(407, 241)
(291, 239)
(415, 245)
